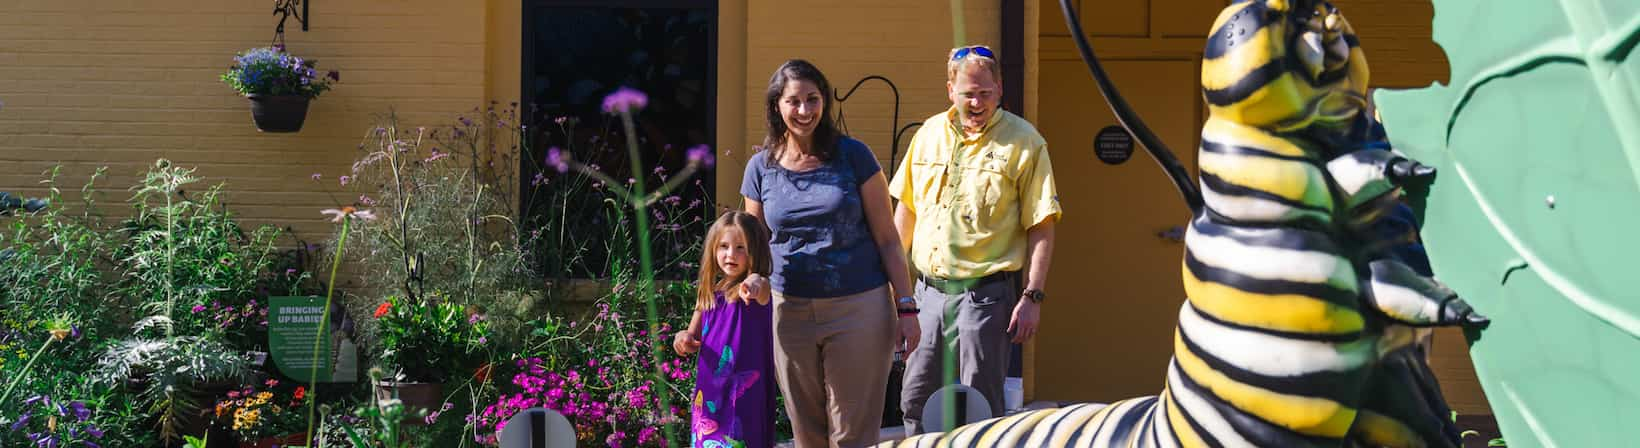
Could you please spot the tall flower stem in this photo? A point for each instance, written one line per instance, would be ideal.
(646, 264)
(26, 367)
(324, 322)
(170, 255)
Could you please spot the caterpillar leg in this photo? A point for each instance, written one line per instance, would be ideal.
(1404, 406)
(1413, 299)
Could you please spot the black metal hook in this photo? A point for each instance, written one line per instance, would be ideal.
(286, 9)
(894, 149)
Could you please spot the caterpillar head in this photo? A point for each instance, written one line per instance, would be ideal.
(1284, 65)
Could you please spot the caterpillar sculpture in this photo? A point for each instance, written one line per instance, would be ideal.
(1299, 324)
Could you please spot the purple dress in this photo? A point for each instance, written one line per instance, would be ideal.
(733, 404)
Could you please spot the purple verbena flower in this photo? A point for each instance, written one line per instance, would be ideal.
(556, 159)
(625, 100)
(701, 154)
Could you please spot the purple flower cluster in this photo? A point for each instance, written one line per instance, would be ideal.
(251, 313)
(625, 100)
(272, 71)
(62, 431)
(603, 385)
(580, 398)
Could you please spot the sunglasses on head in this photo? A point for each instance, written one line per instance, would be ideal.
(976, 50)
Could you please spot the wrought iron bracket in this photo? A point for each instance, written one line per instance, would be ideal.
(894, 149)
(286, 9)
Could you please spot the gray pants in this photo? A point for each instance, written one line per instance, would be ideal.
(977, 334)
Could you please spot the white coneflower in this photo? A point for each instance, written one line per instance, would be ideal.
(337, 215)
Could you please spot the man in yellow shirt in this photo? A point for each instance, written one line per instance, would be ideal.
(977, 207)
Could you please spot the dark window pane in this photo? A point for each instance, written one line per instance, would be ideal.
(577, 55)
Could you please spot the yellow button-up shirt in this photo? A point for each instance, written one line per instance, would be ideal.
(974, 197)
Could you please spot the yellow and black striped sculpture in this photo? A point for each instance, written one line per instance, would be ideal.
(1299, 327)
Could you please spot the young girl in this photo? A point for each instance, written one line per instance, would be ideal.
(733, 403)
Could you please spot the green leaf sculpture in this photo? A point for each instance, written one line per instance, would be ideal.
(1535, 214)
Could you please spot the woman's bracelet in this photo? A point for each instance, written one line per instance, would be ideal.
(904, 312)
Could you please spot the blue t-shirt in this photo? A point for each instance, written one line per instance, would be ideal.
(821, 244)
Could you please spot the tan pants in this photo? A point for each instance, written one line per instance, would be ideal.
(831, 358)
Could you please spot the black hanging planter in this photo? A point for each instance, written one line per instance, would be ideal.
(279, 113)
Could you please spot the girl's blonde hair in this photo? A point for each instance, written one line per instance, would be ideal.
(712, 279)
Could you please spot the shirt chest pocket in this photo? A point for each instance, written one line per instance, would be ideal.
(986, 187)
(927, 177)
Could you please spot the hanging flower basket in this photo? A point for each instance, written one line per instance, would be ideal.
(279, 86)
(278, 113)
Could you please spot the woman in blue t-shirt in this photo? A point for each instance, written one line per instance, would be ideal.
(837, 323)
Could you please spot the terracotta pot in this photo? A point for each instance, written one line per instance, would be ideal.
(279, 113)
(416, 397)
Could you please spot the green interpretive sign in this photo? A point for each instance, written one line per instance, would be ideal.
(294, 325)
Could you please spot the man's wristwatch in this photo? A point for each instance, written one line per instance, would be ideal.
(906, 306)
(1035, 295)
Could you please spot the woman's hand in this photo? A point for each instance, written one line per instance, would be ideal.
(910, 334)
(685, 343)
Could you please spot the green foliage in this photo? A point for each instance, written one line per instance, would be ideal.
(170, 372)
(430, 340)
(442, 227)
(191, 266)
(376, 423)
(154, 311)
(59, 262)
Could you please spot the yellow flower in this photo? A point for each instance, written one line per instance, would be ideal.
(243, 419)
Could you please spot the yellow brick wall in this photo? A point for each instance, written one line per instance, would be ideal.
(119, 84)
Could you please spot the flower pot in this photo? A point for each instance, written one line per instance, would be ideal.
(279, 113)
(416, 397)
(298, 439)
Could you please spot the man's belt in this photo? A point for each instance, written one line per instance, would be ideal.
(962, 285)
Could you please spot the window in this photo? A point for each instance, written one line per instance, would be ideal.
(574, 54)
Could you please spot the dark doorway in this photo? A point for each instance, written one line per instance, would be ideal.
(576, 52)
